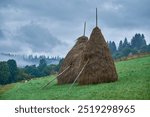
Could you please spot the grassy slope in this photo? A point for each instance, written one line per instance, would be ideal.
(133, 83)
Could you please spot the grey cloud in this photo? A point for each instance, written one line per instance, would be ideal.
(131, 14)
(1, 34)
(10, 46)
(64, 18)
(55, 9)
(39, 37)
(5, 3)
(33, 38)
(113, 13)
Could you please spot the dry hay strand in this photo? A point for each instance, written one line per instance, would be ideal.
(72, 59)
(100, 67)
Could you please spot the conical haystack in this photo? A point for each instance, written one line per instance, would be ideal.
(72, 60)
(100, 67)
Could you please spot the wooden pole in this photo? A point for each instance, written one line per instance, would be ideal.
(56, 77)
(84, 28)
(96, 18)
(79, 74)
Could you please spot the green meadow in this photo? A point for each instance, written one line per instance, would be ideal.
(133, 84)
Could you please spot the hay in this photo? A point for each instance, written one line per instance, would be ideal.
(100, 67)
(72, 59)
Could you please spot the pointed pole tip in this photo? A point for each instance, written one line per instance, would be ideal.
(96, 17)
(84, 28)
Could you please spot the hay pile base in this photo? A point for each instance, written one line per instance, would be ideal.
(72, 59)
(100, 67)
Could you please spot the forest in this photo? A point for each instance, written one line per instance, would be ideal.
(137, 45)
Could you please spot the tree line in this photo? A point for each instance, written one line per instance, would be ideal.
(10, 73)
(31, 59)
(126, 48)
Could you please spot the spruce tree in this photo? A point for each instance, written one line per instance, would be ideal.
(120, 46)
(13, 70)
(4, 73)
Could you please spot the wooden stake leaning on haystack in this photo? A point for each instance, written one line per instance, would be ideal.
(56, 77)
(78, 75)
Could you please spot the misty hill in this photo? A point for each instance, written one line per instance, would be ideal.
(23, 60)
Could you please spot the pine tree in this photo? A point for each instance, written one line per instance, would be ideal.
(4, 73)
(120, 46)
(143, 40)
(138, 41)
(13, 70)
(42, 64)
(114, 48)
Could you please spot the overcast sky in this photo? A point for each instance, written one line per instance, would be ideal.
(51, 27)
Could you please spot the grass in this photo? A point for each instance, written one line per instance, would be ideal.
(133, 84)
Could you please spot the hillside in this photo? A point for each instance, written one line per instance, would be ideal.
(23, 60)
(133, 83)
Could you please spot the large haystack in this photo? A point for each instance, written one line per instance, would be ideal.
(100, 67)
(72, 59)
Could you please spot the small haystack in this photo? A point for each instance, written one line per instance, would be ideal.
(72, 61)
(100, 67)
